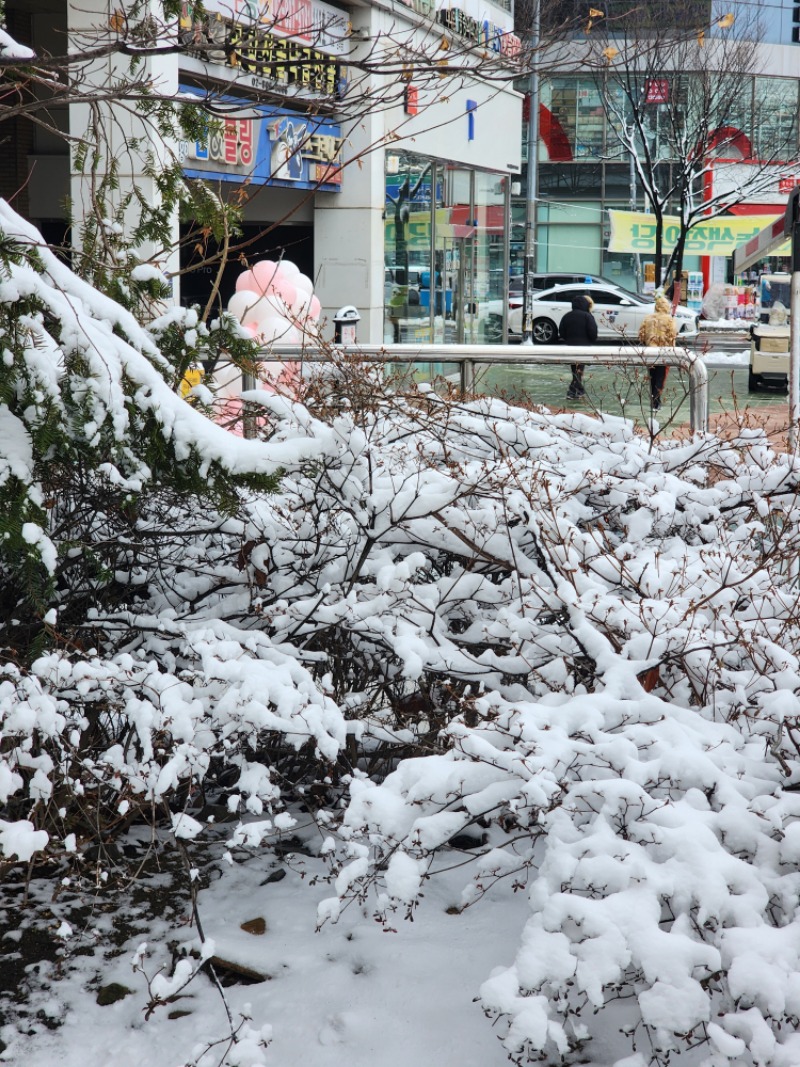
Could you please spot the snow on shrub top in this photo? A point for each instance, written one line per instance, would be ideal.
(545, 642)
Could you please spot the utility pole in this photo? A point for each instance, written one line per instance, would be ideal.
(531, 187)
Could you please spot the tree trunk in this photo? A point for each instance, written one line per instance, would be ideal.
(659, 255)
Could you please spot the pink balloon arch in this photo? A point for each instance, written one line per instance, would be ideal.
(275, 302)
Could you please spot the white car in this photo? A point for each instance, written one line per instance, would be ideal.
(618, 311)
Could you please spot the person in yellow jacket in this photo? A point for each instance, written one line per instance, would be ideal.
(658, 330)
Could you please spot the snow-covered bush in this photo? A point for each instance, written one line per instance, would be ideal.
(568, 650)
(589, 645)
(120, 518)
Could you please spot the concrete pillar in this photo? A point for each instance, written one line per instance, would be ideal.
(349, 226)
(114, 131)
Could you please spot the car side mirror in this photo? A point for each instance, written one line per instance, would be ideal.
(625, 303)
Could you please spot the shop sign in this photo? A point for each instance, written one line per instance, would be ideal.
(764, 183)
(411, 100)
(272, 147)
(274, 62)
(481, 31)
(279, 61)
(635, 231)
(656, 91)
(314, 23)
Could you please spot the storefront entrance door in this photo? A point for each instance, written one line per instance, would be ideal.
(455, 319)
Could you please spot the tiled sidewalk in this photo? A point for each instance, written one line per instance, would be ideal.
(774, 419)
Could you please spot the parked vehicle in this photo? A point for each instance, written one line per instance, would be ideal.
(618, 311)
(549, 281)
(395, 278)
(769, 338)
(619, 304)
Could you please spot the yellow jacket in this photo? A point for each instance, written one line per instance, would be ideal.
(659, 330)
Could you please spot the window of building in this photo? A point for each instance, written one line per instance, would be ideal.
(775, 133)
(446, 249)
(575, 115)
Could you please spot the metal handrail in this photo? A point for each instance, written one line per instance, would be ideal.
(467, 356)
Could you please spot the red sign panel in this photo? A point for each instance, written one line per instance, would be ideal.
(656, 91)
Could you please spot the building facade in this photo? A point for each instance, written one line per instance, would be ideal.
(346, 157)
(587, 181)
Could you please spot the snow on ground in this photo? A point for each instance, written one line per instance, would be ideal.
(734, 325)
(720, 359)
(353, 993)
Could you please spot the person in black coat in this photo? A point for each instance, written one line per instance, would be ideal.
(578, 327)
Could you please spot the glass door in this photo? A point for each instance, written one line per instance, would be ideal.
(453, 301)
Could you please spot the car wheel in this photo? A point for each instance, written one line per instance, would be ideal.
(544, 332)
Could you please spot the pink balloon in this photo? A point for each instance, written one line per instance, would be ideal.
(264, 272)
(284, 289)
(246, 280)
(287, 269)
(314, 309)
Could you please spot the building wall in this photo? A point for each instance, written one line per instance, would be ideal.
(349, 227)
(582, 170)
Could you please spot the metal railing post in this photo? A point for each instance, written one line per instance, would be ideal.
(248, 420)
(469, 356)
(698, 396)
(467, 370)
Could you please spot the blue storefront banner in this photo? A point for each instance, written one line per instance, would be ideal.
(267, 146)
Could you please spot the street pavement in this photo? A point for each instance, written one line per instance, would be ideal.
(625, 390)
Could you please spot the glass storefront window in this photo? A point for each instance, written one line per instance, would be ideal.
(729, 104)
(575, 118)
(445, 251)
(565, 180)
(410, 195)
(489, 270)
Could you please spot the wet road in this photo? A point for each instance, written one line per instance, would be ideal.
(625, 390)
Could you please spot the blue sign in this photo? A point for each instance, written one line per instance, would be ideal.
(267, 146)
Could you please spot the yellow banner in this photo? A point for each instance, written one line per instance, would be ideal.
(635, 231)
(418, 228)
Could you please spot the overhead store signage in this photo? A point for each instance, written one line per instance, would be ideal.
(656, 91)
(268, 146)
(279, 43)
(319, 25)
(481, 31)
(280, 61)
(472, 25)
(635, 231)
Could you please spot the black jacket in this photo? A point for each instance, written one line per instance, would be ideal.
(578, 327)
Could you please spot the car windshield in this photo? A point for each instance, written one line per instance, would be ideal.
(640, 298)
(568, 292)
